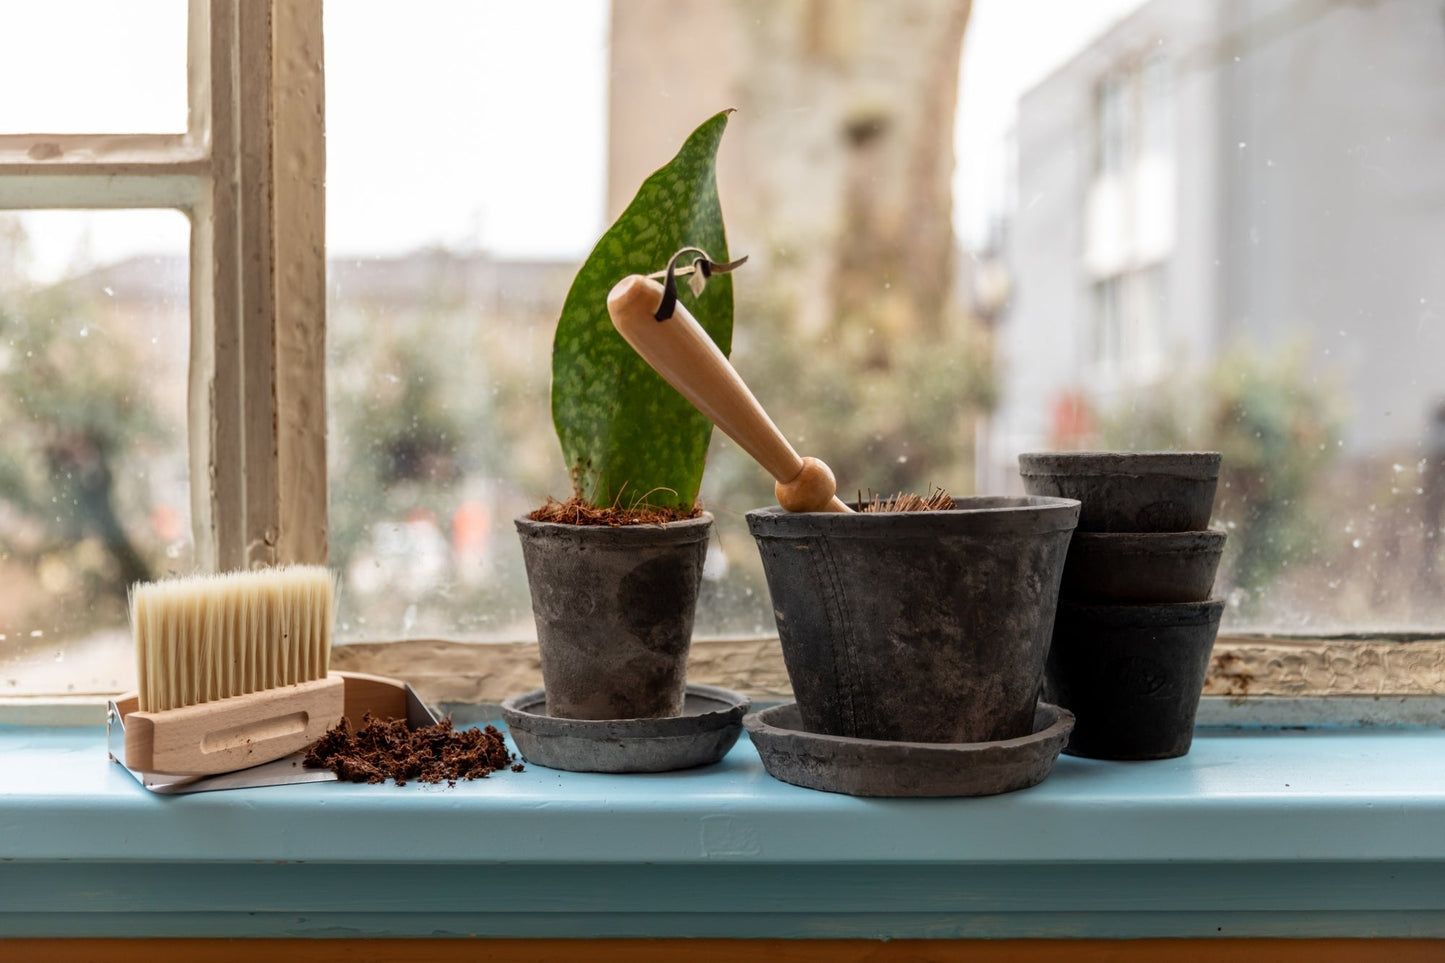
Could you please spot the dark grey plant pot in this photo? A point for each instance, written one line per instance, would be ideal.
(614, 610)
(917, 626)
(1131, 675)
(1149, 491)
(1115, 567)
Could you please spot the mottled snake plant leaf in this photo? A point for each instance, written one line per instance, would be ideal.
(627, 436)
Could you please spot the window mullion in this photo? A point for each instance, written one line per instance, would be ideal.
(263, 412)
(299, 223)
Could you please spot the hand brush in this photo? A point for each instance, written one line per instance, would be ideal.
(232, 669)
(668, 337)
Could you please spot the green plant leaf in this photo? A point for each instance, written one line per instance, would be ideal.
(627, 436)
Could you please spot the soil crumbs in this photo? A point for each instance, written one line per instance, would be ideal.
(385, 749)
(575, 511)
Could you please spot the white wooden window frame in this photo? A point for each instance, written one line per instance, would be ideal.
(249, 173)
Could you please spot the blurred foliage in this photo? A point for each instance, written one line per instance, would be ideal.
(1277, 426)
(77, 419)
(886, 414)
(437, 404)
(427, 426)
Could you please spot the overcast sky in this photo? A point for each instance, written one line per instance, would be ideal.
(475, 125)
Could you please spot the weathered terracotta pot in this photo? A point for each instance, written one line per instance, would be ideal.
(917, 626)
(614, 611)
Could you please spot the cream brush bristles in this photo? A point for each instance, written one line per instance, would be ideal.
(233, 669)
(210, 637)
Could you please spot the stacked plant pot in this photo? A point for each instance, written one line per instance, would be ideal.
(1135, 625)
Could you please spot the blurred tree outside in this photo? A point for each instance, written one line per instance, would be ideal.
(853, 323)
(855, 326)
(82, 431)
(439, 436)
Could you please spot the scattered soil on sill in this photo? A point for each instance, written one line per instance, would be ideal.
(385, 749)
(574, 511)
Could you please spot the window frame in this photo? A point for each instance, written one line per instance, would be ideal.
(257, 394)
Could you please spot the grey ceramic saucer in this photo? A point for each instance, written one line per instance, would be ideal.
(871, 767)
(710, 723)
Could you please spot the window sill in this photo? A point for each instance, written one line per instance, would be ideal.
(1313, 833)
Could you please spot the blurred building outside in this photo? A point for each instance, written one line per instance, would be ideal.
(1206, 173)
(1208, 182)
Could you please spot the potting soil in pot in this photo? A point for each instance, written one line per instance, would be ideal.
(575, 511)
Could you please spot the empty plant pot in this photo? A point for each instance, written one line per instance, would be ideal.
(1147, 491)
(1113, 567)
(917, 626)
(614, 610)
(1131, 675)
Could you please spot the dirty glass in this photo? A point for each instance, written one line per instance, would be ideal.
(1259, 273)
(94, 472)
(464, 186)
(93, 67)
(1172, 225)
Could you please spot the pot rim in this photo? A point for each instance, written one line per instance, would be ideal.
(1202, 540)
(731, 707)
(1199, 465)
(1142, 614)
(1057, 721)
(1005, 514)
(699, 528)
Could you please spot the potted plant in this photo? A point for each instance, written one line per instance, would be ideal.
(614, 571)
(907, 622)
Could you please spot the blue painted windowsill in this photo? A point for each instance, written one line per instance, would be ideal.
(1318, 833)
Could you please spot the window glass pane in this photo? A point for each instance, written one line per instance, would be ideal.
(1288, 235)
(94, 487)
(939, 278)
(453, 239)
(1156, 107)
(1114, 133)
(93, 66)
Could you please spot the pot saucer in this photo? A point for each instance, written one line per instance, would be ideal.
(710, 723)
(872, 767)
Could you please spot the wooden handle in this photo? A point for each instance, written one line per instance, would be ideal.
(234, 733)
(683, 354)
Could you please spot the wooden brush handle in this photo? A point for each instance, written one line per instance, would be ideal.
(683, 354)
(234, 733)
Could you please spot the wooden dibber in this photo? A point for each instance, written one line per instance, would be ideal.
(232, 670)
(683, 354)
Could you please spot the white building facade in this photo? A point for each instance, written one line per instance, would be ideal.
(1207, 174)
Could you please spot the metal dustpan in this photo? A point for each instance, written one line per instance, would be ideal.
(382, 697)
